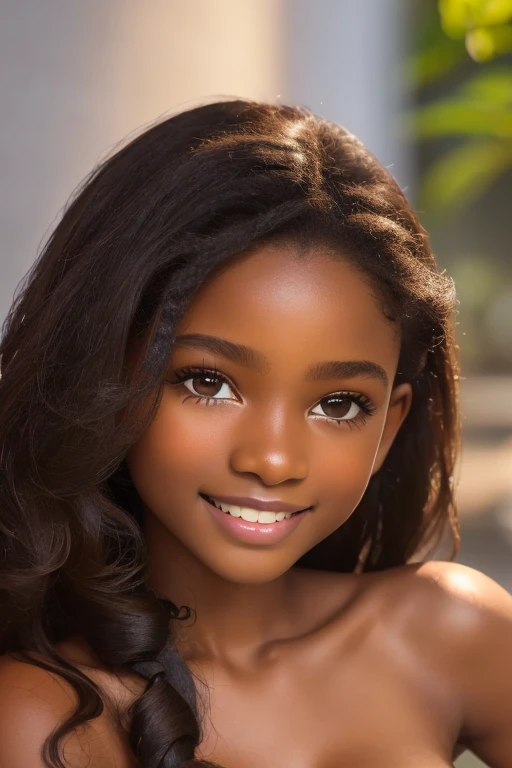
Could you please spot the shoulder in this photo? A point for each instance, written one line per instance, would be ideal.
(34, 703)
(466, 602)
(463, 619)
(455, 604)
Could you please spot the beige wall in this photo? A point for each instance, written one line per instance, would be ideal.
(78, 78)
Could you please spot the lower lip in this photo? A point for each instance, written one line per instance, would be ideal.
(255, 533)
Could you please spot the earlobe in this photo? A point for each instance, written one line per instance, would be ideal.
(399, 406)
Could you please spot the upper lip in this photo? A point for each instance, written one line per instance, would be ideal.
(273, 505)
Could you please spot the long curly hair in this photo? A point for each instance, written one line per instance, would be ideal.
(133, 246)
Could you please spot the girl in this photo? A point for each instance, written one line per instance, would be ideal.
(228, 430)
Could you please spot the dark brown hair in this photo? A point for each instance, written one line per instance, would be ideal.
(133, 246)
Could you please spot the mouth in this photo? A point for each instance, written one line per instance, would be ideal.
(249, 513)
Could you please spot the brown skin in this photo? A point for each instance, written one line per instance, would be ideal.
(262, 440)
(397, 669)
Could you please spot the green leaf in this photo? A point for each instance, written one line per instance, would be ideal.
(460, 16)
(482, 107)
(435, 54)
(490, 86)
(484, 43)
(463, 174)
(432, 63)
(462, 118)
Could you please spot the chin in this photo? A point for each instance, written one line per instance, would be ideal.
(258, 569)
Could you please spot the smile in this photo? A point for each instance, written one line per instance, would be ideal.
(249, 514)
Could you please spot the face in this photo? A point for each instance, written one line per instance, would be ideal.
(298, 408)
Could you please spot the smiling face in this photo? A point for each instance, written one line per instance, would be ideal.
(296, 405)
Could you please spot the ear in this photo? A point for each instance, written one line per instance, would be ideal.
(399, 406)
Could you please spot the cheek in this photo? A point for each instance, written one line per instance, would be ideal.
(176, 454)
(342, 471)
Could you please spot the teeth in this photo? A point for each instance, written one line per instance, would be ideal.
(251, 515)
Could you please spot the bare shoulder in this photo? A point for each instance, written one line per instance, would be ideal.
(34, 703)
(463, 597)
(449, 603)
(463, 619)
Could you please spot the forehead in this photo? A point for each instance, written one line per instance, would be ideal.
(285, 305)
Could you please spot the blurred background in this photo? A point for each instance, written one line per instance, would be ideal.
(427, 85)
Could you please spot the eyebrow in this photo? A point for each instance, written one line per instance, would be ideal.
(257, 361)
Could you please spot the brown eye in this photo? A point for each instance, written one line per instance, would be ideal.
(339, 408)
(204, 385)
(207, 385)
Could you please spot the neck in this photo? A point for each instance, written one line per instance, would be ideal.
(232, 623)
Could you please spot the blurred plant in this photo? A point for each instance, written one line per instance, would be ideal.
(478, 111)
(484, 24)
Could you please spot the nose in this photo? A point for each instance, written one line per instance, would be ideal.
(273, 446)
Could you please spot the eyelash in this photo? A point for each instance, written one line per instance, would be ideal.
(365, 404)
